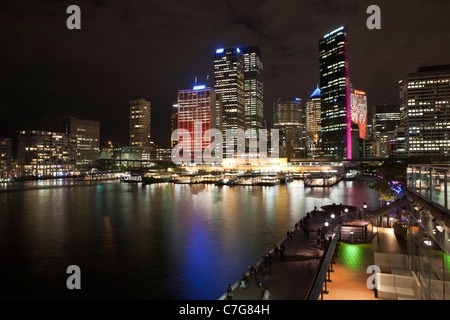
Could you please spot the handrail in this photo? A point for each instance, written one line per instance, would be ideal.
(391, 206)
(316, 286)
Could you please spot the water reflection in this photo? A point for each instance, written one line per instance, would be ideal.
(162, 241)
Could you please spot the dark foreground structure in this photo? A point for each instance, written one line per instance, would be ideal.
(400, 251)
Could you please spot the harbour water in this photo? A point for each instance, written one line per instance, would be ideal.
(157, 241)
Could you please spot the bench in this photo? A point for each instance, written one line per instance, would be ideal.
(397, 287)
(389, 261)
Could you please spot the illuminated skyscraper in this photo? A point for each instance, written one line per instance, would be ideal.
(140, 123)
(289, 119)
(253, 88)
(335, 95)
(313, 124)
(197, 114)
(425, 111)
(229, 84)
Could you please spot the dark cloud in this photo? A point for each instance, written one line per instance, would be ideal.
(151, 49)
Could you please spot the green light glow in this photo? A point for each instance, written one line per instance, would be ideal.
(353, 256)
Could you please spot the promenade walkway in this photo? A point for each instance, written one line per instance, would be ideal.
(289, 279)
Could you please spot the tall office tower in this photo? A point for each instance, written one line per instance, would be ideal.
(313, 124)
(335, 95)
(253, 88)
(140, 123)
(425, 110)
(289, 119)
(173, 123)
(358, 103)
(42, 153)
(229, 83)
(197, 114)
(87, 135)
(385, 120)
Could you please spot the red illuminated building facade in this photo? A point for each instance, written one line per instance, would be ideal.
(197, 114)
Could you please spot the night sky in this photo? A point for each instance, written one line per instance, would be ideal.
(151, 49)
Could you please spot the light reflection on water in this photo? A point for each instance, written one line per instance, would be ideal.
(162, 241)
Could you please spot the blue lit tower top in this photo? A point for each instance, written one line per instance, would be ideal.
(316, 93)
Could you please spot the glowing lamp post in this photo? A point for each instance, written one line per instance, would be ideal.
(364, 207)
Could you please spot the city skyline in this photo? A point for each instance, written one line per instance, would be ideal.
(90, 82)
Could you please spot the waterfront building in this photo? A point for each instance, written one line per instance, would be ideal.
(197, 114)
(336, 120)
(140, 123)
(385, 121)
(313, 124)
(43, 153)
(87, 135)
(289, 119)
(6, 148)
(253, 88)
(229, 84)
(425, 106)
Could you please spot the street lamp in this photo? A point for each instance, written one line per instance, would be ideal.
(332, 225)
(365, 207)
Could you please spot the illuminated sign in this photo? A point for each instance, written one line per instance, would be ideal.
(358, 101)
(219, 50)
(199, 87)
(238, 50)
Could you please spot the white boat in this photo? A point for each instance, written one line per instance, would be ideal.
(135, 178)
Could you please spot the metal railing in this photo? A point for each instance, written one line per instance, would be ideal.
(318, 285)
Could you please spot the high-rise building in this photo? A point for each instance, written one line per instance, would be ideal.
(289, 119)
(229, 84)
(425, 110)
(173, 123)
(253, 88)
(87, 135)
(313, 124)
(385, 120)
(197, 114)
(42, 153)
(140, 123)
(335, 95)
